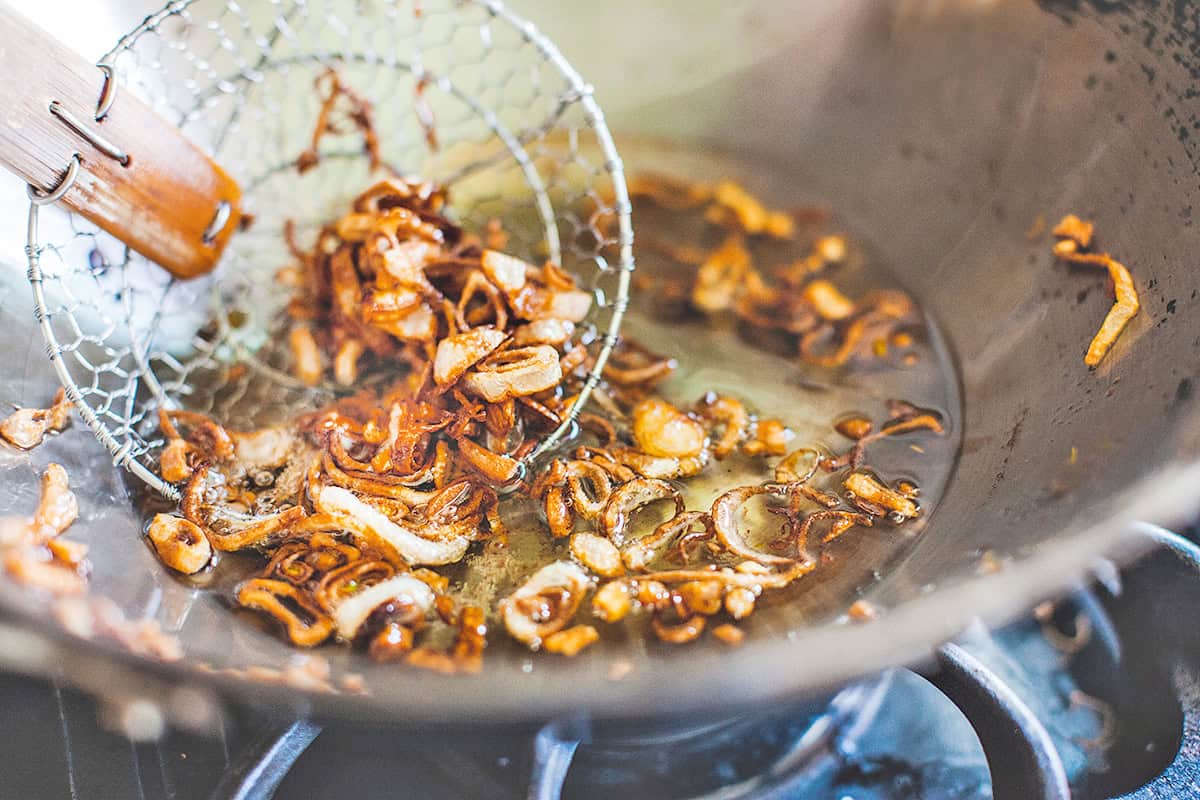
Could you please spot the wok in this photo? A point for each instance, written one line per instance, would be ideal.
(942, 130)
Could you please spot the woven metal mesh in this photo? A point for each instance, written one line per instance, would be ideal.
(519, 138)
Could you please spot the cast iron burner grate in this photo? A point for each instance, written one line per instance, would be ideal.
(1097, 697)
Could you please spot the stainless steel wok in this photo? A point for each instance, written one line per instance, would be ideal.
(942, 129)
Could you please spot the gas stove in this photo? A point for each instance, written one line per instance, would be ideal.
(1095, 696)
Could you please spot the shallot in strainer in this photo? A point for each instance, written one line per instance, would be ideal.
(465, 94)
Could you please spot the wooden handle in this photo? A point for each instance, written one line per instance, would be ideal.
(137, 176)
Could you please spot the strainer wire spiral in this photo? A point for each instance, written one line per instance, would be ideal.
(521, 138)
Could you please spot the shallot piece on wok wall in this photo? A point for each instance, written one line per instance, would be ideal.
(475, 356)
(1074, 240)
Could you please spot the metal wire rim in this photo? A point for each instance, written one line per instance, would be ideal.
(579, 91)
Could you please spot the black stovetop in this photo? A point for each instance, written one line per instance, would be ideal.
(1107, 677)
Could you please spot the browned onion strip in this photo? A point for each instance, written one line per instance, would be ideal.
(630, 497)
(840, 522)
(306, 624)
(867, 488)
(725, 521)
(496, 467)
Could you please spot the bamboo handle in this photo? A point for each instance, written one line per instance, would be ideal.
(74, 137)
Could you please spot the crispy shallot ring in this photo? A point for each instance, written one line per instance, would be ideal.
(793, 469)
(627, 499)
(234, 533)
(548, 330)
(25, 428)
(515, 373)
(725, 521)
(545, 603)
(372, 486)
(466, 317)
(637, 554)
(598, 426)
(361, 518)
(720, 277)
(646, 465)
(828, 300)
(559, 516)
(607, 461)
(590, 487)
(307, 626)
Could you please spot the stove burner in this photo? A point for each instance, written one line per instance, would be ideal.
(1105, 700)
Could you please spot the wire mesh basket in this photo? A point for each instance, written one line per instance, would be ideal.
(465, 93)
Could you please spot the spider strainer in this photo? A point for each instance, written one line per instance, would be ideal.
(519, 137)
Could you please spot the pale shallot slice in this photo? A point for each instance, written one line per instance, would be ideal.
(597, 554)
(27, 427)
(661, 429)
(725, 513)
(457, 354)
(549, 331)
(508, 273)
(515, 373)
(414, 549)
(545, 603)
(352, 612)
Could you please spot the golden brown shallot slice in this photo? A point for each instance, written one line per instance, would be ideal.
(629, 498)
(639, 553)
(725, 513)
(545, 603)
(27, 427)
(179, 543)
(305, 623)
(572, 641)
(867, 488)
